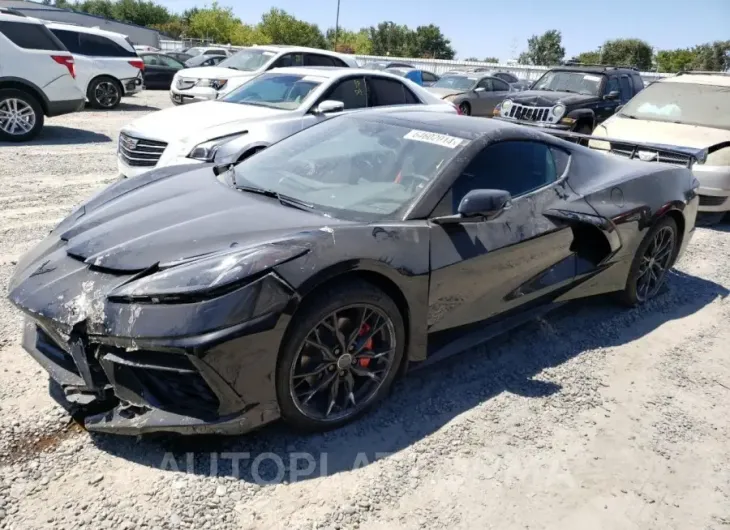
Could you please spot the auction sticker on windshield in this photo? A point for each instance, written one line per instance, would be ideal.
(443, 140)
(589, 77)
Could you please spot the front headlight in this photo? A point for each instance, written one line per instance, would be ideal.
(217, 84)
(558, 111)
(206, 151)
(210, 276)
(506, 106)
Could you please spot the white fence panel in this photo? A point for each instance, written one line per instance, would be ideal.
(437, 66)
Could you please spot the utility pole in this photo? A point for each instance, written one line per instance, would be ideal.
(337, 24)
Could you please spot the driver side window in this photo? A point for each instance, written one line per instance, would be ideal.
(287, 60)
(518, 167)
(486, 84)
(352, 92)
(611, 86)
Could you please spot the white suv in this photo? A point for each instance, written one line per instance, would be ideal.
(36, 77)
(210, 82)
(107, 65)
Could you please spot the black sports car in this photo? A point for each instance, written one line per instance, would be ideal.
(300, 282)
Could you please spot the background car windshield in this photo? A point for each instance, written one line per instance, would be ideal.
(458, 82)
(193, 52)
(578, 82)
(688, 103)
(397, 71)
(352, 168)
(279, 91)
(248, 60)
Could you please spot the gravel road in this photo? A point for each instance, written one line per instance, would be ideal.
(594, 417)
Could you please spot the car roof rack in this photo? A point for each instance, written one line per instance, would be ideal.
(702, 72)
(604, 66)
(11, 11)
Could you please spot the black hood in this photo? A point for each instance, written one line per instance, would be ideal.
(167, 217)
(546, 98)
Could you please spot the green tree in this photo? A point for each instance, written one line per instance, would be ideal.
(712, 56)
(283, 28)
(588, 58)
(544, 50)
(627, 52)
(490, 60)
(673, 61)
(357, 42)
(101, 8)
(174, 29)
(215, 23)
(428, 41)
(389, 38)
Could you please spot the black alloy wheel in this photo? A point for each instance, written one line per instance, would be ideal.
(653, 259)
(341, 358)
(104, 93)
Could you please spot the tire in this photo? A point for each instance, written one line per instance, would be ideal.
(349, 371)
(104, 93)
(19, 105)
(465, 108)
(632, 295)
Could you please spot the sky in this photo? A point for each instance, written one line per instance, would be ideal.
(500, 29)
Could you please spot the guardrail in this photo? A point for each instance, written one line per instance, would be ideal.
(437, 66)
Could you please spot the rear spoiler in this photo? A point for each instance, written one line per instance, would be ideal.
(646, 152)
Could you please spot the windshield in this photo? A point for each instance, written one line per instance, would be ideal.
(248, 60)
(278, 91)
(458, 82)
(193, 52)
(350, 167)
(687, 103)
(577, 82)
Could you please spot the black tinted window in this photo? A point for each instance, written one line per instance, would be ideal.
(352, 92)
(429, 77)
(214, 52)
(612, 86)
(638, 83)
(625, 88)
(70, 39)
(288, 59)
(30, 36)
(515, 166)
(98, 46)
(498, 84)
(504, 76)
(318, 60)
(387, 92)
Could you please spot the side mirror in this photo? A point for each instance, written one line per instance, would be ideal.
(612, 95)
(478, 205)
(329, 106)
(479, 89)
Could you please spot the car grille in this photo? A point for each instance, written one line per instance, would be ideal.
(525, 113)
(659, 156)
(710, 200)
(184, 83)
(140, 152)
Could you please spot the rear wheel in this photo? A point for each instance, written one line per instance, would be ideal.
(104, 93)
(654, 257)
(340, 356)
(21, 116)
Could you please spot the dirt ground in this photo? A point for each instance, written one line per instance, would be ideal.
(595, 417)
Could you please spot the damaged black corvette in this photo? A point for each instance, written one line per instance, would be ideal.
(300, 282)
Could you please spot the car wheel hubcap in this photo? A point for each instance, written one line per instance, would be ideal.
(106, 94)
(342, 363)
(16, 116)
(654, 264)
(464, 109)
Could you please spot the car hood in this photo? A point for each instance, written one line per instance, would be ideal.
(444, 92)
(206, 120)
(545, 98)
(659, 132)
(167, 215)
(213, 72)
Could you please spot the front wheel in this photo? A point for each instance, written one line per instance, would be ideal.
(654, 257)
(340, 356)
(465, 109)
(104, 93)
(21, 116)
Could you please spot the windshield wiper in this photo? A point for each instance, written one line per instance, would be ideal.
(286, 200)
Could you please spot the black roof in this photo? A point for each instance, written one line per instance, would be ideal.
(593, 68)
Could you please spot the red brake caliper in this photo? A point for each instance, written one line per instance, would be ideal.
(365, 361)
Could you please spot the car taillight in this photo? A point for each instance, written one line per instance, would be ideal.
(137, 63)
(66, 61)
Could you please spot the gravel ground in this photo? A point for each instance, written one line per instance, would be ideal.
(594, 417)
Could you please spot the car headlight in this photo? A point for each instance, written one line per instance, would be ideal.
(217, 84)
(506, 105)
(558, 111)
(206, 151)
(212, 276)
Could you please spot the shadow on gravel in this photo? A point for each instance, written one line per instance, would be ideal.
(427, 400)
(59, 135)
(125, 105)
